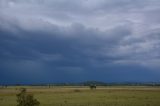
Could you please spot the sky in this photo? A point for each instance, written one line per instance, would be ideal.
(46, 41)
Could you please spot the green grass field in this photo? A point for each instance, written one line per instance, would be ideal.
(83, 96)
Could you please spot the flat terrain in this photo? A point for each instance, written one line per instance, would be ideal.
(83, 96)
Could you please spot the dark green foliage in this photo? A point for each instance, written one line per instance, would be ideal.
(92, 86)
(25, 99)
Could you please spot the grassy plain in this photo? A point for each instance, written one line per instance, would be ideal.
(83, 96)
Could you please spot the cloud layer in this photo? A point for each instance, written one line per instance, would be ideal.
(76, 40)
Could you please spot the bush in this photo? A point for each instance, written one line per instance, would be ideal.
(92, 86)
(25, 99)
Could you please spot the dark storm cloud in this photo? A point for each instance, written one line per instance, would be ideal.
(70, 40)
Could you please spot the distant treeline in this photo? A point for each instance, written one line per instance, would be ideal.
(88, 83)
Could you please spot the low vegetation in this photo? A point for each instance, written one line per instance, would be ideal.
(25, 99)
(83, 96)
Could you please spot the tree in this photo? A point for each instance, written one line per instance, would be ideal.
(25, 99)
(92, 86)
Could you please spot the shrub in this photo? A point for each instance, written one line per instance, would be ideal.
(25, 99)
(92, 86)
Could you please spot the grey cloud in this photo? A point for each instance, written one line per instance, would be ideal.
(46, 16)
(86, 35)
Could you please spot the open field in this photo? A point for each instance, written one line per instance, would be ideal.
(83, 96)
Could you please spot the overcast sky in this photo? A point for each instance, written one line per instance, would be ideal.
(43, 41)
